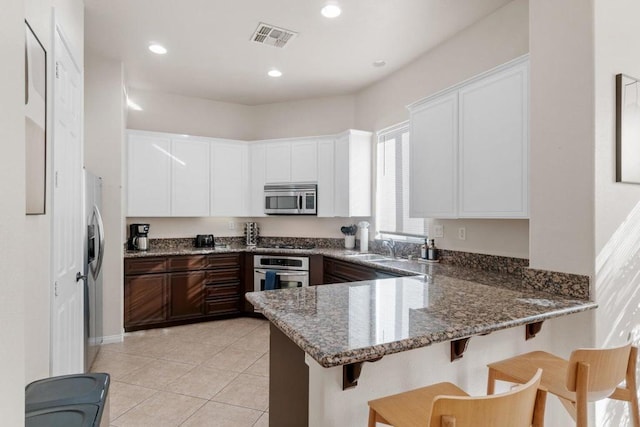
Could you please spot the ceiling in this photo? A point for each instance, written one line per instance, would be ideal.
(211, 55)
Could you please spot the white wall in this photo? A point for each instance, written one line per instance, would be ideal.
(269, 226)
(164, 112)
(318, 116)
(562, 136)
(498, 38)
(104, 127)
(13, 224)
(617, 205)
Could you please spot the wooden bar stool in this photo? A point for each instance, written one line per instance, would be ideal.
(446, 405)
(588, 375)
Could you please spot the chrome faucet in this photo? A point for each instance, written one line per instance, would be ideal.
(391, 245)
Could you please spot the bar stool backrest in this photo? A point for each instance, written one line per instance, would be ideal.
(607, 368)
(512, 409)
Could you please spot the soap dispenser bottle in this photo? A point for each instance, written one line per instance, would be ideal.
(432, 251)
(423, 250)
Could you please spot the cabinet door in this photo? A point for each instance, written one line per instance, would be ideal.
(229, 179)
(149, 176)
(257, 155)
(434, 143)
(190, 178)
(494, 146)
(186, 294)
(341, 177)
(278, 162)
(326, 178)
(145, 299)
(304, 161)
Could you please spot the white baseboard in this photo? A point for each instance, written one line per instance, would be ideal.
(112, 339)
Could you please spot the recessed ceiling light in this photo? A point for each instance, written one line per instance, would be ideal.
(274, 73)
(132, 105)
(157, 48)
(379, 63)
(331, 11)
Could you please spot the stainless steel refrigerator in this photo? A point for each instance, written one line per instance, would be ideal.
(93, 256)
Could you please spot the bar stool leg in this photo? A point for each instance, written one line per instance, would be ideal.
(491, 381)
(633, 387)
(372, 418)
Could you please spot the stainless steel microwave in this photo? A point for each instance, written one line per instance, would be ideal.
(291, 199)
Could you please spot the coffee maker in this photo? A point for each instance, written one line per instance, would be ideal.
(138, 237)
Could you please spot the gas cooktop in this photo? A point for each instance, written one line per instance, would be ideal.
(285, 246)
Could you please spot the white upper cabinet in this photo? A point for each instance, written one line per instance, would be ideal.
(326, 177)
(304, 161)
(352, 174)
(229, 179)
(174, 175)
(190, 177)
(291, 161)
(149, 175)
(494, 146)
(278, 162)
(470, 148)
(257, 168)
(433, 147)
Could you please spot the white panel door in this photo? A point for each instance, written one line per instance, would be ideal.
(433, 142)
(67, 322)
(189, 178)
(257, 171)
(149, 176)
(326, 188)
(493, 146)
(278, 162)
(304, 161)
(229, 179)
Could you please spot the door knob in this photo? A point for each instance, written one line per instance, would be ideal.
(80, 276)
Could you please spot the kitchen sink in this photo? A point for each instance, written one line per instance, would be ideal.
(368, 257)
(390, 260)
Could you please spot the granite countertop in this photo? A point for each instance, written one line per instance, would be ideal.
(354, 322)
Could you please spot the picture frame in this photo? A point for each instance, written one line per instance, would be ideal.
(627, 129)
(35, 100)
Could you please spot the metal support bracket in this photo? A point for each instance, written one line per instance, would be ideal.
(458, 347)
(351, 373)
(531, 329)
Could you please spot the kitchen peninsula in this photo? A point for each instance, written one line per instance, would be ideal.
(410, 329)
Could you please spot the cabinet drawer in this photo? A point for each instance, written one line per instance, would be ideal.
(222, 276)
(222, 291)
(184, 263)
(223, 306)
(145, 265)
(223, 261)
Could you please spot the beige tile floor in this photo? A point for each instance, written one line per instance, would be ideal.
(206, 374)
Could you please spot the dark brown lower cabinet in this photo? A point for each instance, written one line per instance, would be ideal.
(337, 271)
(145, 299)
(186, 294)
(165, 291)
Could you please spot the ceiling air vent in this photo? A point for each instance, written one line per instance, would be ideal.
(272, 35)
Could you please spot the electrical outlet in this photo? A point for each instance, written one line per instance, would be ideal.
(462, 233)
(438, 230)
(231, 225)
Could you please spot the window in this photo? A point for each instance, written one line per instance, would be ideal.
(392, 183)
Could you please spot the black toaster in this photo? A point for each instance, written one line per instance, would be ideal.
(205, 241)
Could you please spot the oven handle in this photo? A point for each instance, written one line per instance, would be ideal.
(298, 273)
